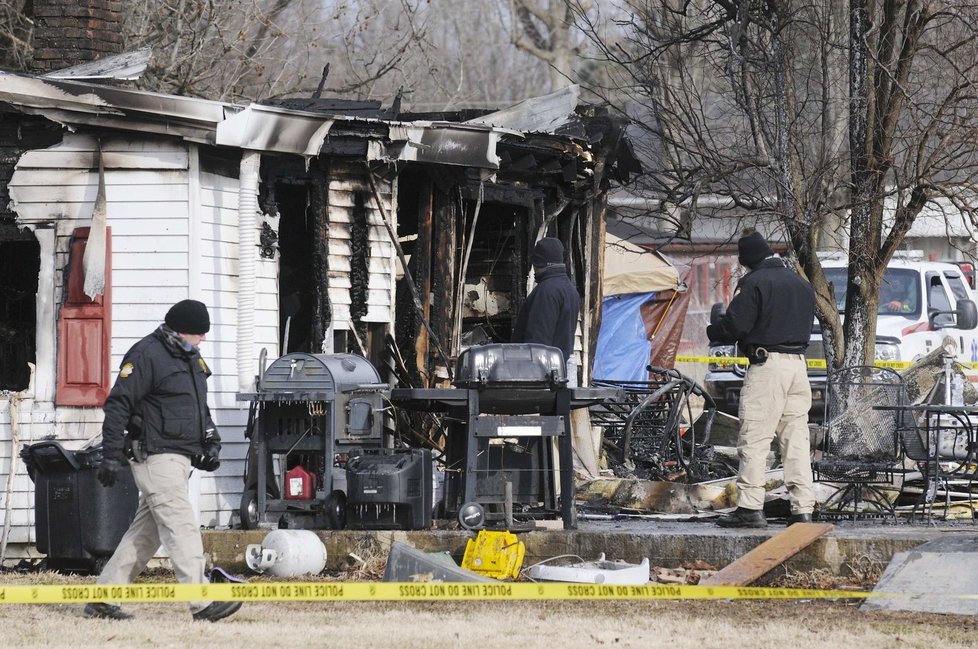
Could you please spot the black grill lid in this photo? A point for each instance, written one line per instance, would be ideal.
(509, 364)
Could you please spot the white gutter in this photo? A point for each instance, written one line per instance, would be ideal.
(247, 242)
(654, 204)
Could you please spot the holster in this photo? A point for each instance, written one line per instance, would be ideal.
(135, 450)
(135, 447)
(756, 354)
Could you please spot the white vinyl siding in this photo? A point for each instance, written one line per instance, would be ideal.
(146, 190)
(217, 282)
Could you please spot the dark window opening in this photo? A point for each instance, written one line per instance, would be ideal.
(296, 294)
(20, 265)
(938, 301)
(494, 278)
(495, 275)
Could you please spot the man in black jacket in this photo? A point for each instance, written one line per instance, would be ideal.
(160, 397)
(549, 313)
(770, 317)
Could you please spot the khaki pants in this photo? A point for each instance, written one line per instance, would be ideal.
(774, 403)
(164, 516)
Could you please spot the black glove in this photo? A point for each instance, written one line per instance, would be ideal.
(209, 461)
(108, 471)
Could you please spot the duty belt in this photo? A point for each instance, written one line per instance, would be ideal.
(758, 355)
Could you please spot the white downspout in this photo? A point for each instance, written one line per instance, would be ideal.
(247, 242)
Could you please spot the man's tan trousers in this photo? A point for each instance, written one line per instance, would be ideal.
(774, 403)
(164, 516)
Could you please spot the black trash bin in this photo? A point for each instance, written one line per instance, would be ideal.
(77, 521)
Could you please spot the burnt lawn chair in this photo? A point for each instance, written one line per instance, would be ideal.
(862, 450)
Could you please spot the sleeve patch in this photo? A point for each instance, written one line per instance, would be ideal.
(126, 370)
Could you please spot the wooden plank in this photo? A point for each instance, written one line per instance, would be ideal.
(773, 552)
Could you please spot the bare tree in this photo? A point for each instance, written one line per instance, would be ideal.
(745, 100)
(15, 35)
(546, 30)
(439, 54)
(436, 54)
(222, 49)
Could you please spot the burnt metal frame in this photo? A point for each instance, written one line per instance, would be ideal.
(316, 437)
(861, 466)
(653, 409)
(922, 444)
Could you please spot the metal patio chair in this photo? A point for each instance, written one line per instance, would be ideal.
(862, 451)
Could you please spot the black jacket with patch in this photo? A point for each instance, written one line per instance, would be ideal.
(773, 307)
(549, 313)
(167, 387)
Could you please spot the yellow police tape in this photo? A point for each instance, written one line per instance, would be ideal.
(388, 591)
(813, 363)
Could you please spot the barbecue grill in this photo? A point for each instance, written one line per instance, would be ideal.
(509, 402)
(310, 408)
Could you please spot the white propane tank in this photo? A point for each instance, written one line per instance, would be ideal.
(287, 553)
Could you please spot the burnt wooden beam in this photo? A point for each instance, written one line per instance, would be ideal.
(505, 194)
(421, 261)
(527, 222)
(444, 268)
(596, 215)
(359, 263)
(322, 314)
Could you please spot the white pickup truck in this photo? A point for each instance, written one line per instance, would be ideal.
(921, 303)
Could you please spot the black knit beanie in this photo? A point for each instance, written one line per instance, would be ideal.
(753, 249)
(548, 250)
(188, 317)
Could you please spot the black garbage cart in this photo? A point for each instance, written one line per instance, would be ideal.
(78, 522)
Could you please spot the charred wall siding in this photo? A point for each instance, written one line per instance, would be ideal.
(52, 192)
(349, 195)
(351, 258)
(19, 134)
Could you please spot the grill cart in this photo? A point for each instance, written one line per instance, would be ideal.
(309, 409)
(509, 404)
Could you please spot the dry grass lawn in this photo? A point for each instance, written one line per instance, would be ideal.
(507, 625)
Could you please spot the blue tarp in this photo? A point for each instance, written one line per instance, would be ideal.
(623, 350)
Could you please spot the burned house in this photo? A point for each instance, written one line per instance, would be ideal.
(316, 226)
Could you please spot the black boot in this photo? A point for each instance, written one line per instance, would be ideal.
(216, 611)
(106, 611)
(741, 517)
(799, 518)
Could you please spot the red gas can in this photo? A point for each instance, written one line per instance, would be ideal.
(299, 484)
